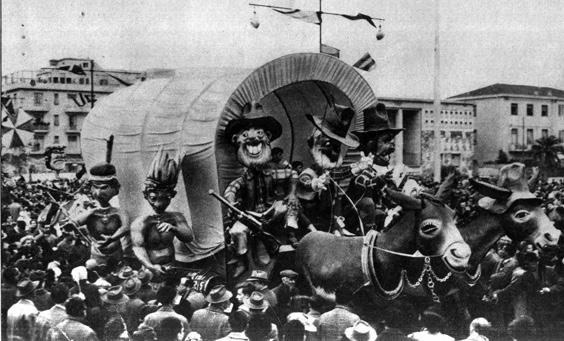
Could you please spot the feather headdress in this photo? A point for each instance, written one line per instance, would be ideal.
(163, 172)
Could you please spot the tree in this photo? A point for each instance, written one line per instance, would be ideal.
(546, 150)
(502, 157)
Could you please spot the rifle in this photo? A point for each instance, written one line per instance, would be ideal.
(256, 226)
(71, 222)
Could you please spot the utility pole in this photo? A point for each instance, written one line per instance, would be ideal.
(437, 99)
(91, 83)
(320, 23)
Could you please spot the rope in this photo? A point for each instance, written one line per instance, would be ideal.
(352, 204)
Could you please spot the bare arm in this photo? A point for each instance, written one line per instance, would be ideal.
(138, 241)
(182, 230)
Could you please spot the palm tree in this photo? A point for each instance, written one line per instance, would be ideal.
(546, 150)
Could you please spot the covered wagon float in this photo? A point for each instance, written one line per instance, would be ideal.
(186, 113)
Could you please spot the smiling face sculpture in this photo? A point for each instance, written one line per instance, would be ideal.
(252, 135)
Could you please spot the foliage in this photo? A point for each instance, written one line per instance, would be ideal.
(546, 150)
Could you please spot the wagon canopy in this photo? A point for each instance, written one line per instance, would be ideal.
(186, 111)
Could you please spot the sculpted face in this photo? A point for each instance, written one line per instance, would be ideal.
(103, 191)
(253, 147)
(55, 159)
(382, 147)
(326, 152)
(159, 199)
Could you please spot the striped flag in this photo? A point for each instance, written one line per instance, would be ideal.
(330, 50)
(365, 63)
(311, 17)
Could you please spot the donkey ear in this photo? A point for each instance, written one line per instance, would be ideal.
(490, 190)
(404, 200)
(445, 187)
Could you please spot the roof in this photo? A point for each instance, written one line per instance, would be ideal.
(422, 100)
(512, 89)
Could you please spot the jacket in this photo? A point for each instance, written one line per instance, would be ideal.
(211, 323)
(333, 323)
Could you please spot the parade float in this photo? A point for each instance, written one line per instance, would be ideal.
(187, 111)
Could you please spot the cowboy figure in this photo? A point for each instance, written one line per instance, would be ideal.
(260, 189)
(377, 143)
(153, 234)
(318, 187)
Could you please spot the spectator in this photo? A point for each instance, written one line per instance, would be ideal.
(211, 322)
(72, 328)
(294, 330)
(479, 328)
(258, 328)
(433, 322)
(189, 299)
(361, 331)
(333, 323)
(522, 328)
(238, 323)
(165, 297)
(259, 279)
(146, 293)
(115, 300)
(55, 315)
(9, 288)
(394, 321)
(115, 330)
(285, 291)
(170, 329)
(22, 315)
(135, 306)
(259, 306)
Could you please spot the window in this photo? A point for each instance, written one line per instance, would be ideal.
(56, 139)
(544, 133)
(85, 64)
(514, 136)
(87, 81)
(56, 99)
(73, 143)
(561, 110)
(81, 81)
(530, 136)
(37, 98)
(62, 80)
(103, 81)
(530, 110)
(56, 120)
(514, 109)
(72, 122)
(69, 81)
(544, 110)
(561, 135)
(55, 80)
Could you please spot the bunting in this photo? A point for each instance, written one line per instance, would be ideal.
(310, 17)
(360, 16)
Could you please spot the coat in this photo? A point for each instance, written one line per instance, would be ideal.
(72, 329)
(333, 323)
(392, 334)
(211, 322)
(48, 319)
(21, 319)
(153, 320)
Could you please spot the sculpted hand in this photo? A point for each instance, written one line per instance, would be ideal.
(158, 269)
(165, 227)
(544, 290)
(318, 184)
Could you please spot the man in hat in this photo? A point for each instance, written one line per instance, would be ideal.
(21, 317)
(318, 187)
(107, 227)
(211, 322)
(377, 143)
(56, 314)
(134, 307)
(285, 291)
(433, 322)
(153, 234)
(259, 279)
(165, 296)
(146, 293)
(333, 323)
(361, 331)
(260, 187)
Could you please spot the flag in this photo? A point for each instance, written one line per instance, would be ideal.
(311, 17)
(365, 63)
(76, 69)
(360, 16)
(121, 81)
(330, 50)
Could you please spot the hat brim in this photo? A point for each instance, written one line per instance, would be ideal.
(34, 286)
(268, 123)
(105, 299)
(226, 297)
(349, 333)
(133, 290)
(264, 304)
(501, 206)
(349, 140)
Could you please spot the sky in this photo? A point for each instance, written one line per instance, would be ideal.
(482, 42)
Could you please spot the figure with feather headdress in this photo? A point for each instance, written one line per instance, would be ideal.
(105, 227)
(153, 234)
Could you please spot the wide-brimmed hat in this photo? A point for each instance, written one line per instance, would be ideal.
(26, 287)
(361, 331)
(254, 116)
(336, 124)
(376, 121)
(145, 276)
(219, 294)
(289, 273)
(127, 272)
(511, 186)
(256, 301)
(258, 275)
(115, 295)
(131, 286)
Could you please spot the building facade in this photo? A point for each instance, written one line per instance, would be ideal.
(58, 98)
(415, 145)
(512, 117)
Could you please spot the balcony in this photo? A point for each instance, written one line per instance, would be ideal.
(37, 108)
(40, 127)
(73, 129)
(513, 147)
(76, 110)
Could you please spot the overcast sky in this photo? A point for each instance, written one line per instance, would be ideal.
(482, 41)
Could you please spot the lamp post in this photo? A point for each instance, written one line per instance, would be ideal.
(437, 99)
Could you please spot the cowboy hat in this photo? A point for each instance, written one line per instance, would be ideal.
(361, 331)
(26, 287)
(254, 116)
(258, 275)
(376, 121)
(219, 294)
(127, 272)
(511, 186)
(131, 286)
(145, 276)
(114, 295)
(256, 301)
(335, 124)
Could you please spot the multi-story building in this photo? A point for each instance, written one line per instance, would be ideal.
(58, 98)
(511, 117)
(416, 142)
